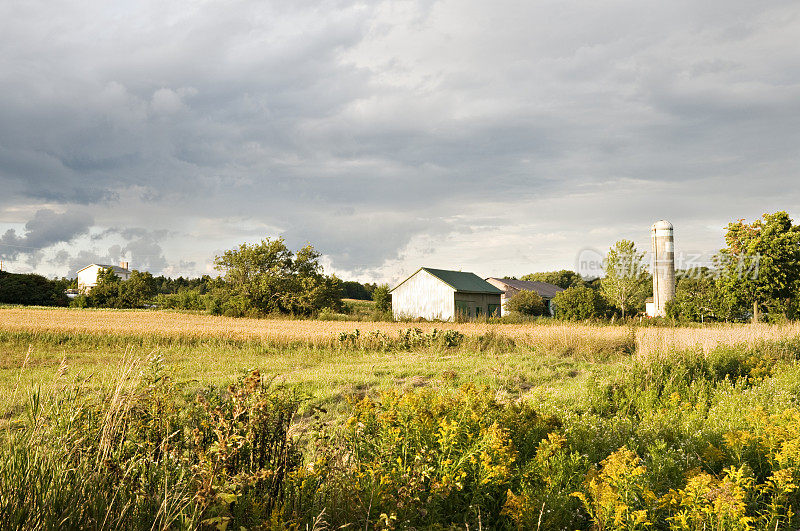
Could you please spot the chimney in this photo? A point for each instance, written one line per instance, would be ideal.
(123, 265)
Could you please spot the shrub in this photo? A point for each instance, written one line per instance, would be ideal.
(431, 459)
(527, 303)
(382, 298)
(579, 303)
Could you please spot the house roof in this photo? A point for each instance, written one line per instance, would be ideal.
(117, 269)
(461, 281)
(544, 289)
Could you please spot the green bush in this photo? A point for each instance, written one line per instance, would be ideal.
(579, 303)
(428, 459)
(527, 303)
(382, 298)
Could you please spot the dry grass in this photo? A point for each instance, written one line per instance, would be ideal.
(175, 324)
(651, 341)
(567, 338)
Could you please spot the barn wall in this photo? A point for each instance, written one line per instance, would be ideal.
(482, 300)
(423, 295)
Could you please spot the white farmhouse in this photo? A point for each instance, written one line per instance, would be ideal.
(87, 277)
(439, 294)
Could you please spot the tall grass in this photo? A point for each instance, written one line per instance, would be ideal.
(143, 455)
(688, 441)
(693, 428)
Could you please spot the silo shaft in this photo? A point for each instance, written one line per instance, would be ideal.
(663, 266)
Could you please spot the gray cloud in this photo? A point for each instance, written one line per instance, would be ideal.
(376, 129)
(44, 230)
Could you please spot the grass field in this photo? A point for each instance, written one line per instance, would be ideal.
(519, 358)
(537, 411)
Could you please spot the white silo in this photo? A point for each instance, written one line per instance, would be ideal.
(663, 266)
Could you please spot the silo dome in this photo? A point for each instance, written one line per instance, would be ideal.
(661, 225)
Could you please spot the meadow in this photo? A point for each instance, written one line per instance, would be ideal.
(153, 419)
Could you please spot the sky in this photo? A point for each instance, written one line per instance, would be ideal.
(500, 137)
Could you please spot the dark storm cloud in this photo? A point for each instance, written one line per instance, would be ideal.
(45, 229)
(362, 126)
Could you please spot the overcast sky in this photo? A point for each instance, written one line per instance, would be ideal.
(498, 137)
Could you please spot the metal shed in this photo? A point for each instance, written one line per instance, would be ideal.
(441, 294)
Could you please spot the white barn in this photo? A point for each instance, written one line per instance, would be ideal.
(87, 277)
(440, 294)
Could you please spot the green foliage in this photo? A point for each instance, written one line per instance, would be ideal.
(382, 298)
(685, 440)
(579, 303)
(527, 303)
(356, 290)
(760, 266)
(267, 277)
(696, 299)
(32, 290)
(625, 282)
(148, 456)
(563, 278)
(425, 459)
(113, 292)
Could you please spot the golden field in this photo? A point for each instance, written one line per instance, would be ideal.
(649, 340)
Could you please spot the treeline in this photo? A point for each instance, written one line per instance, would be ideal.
(255, 280)
(31, 289)
(756, 276)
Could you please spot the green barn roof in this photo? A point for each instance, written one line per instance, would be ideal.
(460, 281)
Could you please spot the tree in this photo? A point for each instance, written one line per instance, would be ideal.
(760, 266)
(32, 289)
(527, 303)
(625, 281)
(105, 294)
(382, 298)
(696, 297)
(579, 303)
(137, 291)
(267, 277)
(356, 290)
(563, 278)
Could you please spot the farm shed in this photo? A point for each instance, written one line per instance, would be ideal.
(87, 277)
(511, 287)
(439, 294)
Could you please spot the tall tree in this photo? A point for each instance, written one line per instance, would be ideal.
(625, 281)
(760, 267)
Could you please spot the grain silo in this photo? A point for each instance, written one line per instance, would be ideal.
(663, 266)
